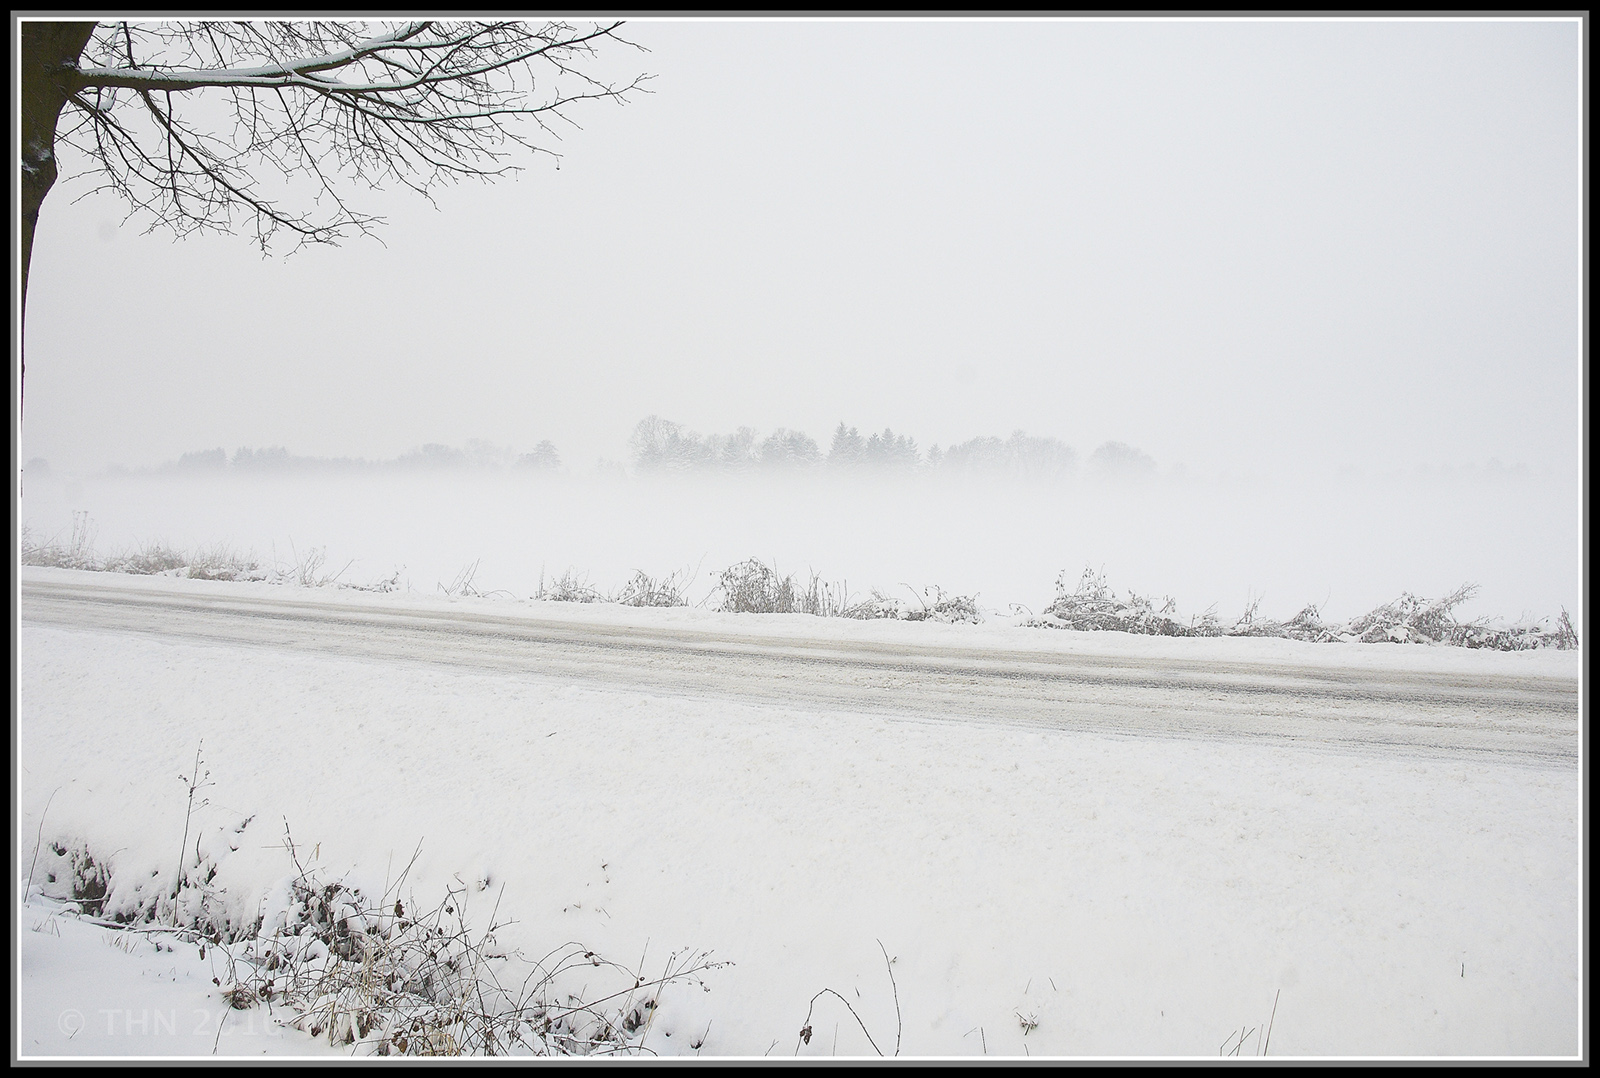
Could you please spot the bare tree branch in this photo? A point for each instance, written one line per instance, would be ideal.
(330, 107)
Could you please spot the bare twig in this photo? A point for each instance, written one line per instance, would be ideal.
(805, 1030)
(195, 782)
(38, 840)
(1268, 1042)
(888, 964)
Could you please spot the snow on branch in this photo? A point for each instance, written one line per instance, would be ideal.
(188, 120)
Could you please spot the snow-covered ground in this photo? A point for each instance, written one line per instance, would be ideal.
(1041, 891)
(93, 991)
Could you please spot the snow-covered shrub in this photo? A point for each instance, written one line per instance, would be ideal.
(221, 563)
(644, 590)
(34, 552)
(217, 563)
(388, 584)
(1306, 625)
(152, 559)
(70, 873)
(932, 605)
(390, 979)
(306, 569)
(1563, 635)
(1520, 637)
(1409, 619)
(950, 609)
(1093, 606)
(567, 588)
(384, 975)
(751, 587)
(148, 560)
(78, 553)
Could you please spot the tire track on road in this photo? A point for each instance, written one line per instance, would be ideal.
(1516, 717)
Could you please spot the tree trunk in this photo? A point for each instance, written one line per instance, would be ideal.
(50, 52)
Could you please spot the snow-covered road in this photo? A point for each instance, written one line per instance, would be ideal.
(1326, 694)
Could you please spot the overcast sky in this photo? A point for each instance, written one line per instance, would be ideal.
(1237, 245)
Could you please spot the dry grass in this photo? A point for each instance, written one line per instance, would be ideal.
(568, 588)
(76, 553)
(220, 562)
(805, 1034)
(932, 604)
(387, 976)
(752, 587)
(1093, 606)
(645, 590)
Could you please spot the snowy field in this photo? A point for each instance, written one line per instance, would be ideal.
(1042, 892)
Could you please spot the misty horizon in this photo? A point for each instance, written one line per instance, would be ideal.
(1275, 246)
(981, 453)
(1321, 281)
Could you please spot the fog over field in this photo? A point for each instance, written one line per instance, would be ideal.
(1277, 248)
(1344, 544)
(1325, 275)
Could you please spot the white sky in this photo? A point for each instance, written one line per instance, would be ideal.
(1236, 245)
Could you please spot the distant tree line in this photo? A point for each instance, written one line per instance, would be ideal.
(659, 444)
(476, 454)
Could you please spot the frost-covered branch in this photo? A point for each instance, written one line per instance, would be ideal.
(192, 121)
